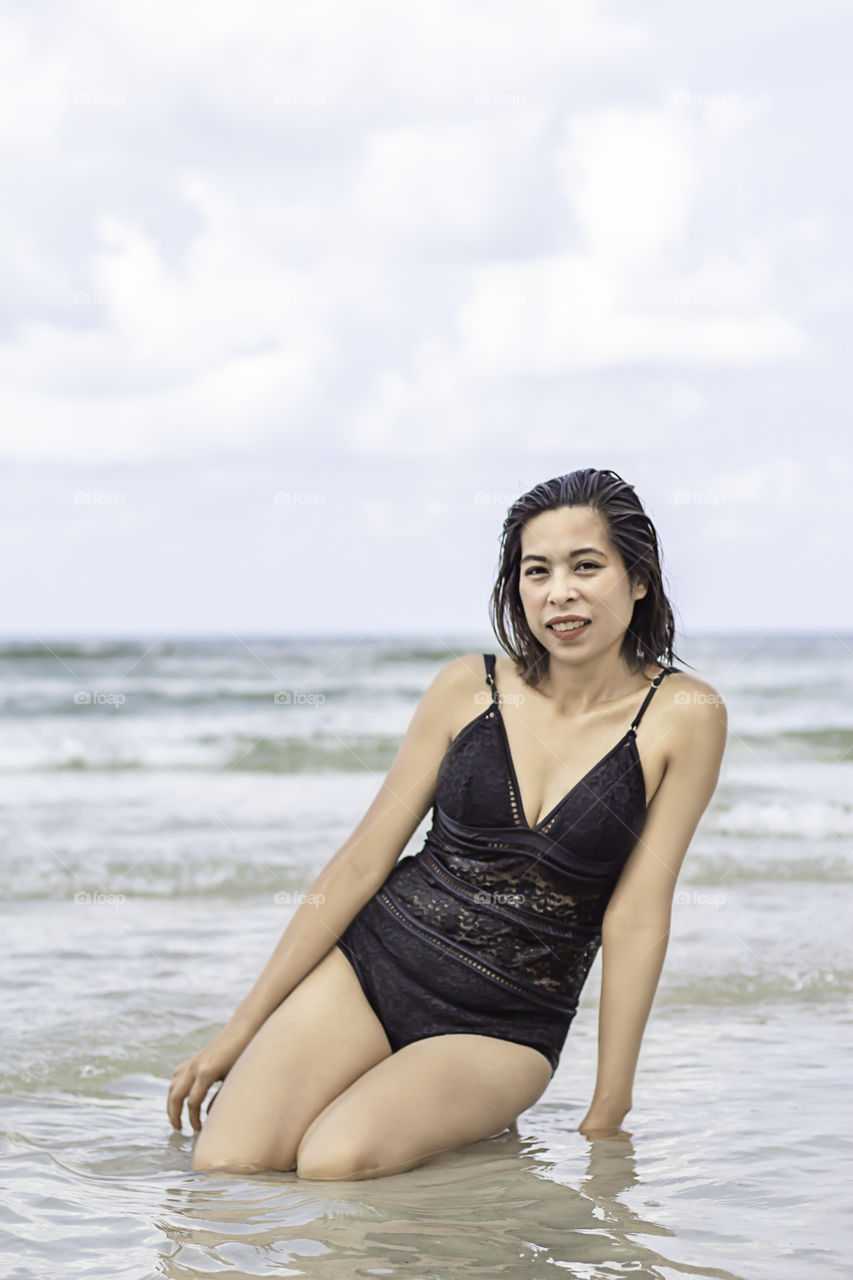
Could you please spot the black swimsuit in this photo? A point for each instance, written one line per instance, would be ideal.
(493, 926)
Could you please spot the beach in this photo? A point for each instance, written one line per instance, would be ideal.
(166, 803)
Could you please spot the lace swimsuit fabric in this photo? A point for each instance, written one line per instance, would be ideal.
(493, 926)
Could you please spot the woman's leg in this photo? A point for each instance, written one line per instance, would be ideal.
(431, 1096)
(319, 1040)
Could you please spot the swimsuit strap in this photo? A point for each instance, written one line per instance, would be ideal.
(649, 696)
(489, 659)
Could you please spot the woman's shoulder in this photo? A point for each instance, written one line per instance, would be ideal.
(677, 678)
(465, 668)
(462, 677)
(463, 681)
(689, 697)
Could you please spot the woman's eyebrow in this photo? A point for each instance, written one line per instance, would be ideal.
(577, 551)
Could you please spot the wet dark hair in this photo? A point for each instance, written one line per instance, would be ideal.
(651, 631)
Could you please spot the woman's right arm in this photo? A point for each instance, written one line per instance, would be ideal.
(346, 883)
(365, 860)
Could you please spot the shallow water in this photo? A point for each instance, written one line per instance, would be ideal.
(143, 845)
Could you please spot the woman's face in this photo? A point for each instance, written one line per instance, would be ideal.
(570, 566)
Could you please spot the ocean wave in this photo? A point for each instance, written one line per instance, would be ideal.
(830, 742)
(204, 753)
(144, 1036)
(121, 881)
(207, 862)
(717, 872)
(792, 818)
(735, 988)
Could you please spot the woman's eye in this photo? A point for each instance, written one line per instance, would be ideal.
(585, 564)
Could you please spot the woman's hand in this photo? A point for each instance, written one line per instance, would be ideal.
(604, 1122)
(192, 1078)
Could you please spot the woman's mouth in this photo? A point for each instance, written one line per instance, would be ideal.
(563, 627)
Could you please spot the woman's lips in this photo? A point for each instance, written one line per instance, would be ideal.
(572, 633)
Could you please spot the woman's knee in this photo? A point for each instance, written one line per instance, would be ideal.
(241, 1144)
(204, 1163)
(331, 1152)
(435, 1095)
(319, 1040)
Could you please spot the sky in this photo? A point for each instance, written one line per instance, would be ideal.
(298, 298)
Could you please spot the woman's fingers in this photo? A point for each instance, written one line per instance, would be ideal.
(173, 1107)
(175, 1096)
(195, 1098)
(178, 1090)
(175, 1102)
(192, 1079)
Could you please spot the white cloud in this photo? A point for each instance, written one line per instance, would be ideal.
(777, 482)
(373, 224)
(428, 411)
(445, 187)
(632, 180)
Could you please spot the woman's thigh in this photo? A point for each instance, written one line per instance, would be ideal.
(433, 1095)
(320, 1039)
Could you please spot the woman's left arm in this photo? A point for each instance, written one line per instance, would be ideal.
(635, 930)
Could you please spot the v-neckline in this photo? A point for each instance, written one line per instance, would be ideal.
(629, 735)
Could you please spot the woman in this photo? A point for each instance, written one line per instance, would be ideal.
(415, 1006)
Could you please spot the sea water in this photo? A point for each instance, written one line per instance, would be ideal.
(160, 801)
